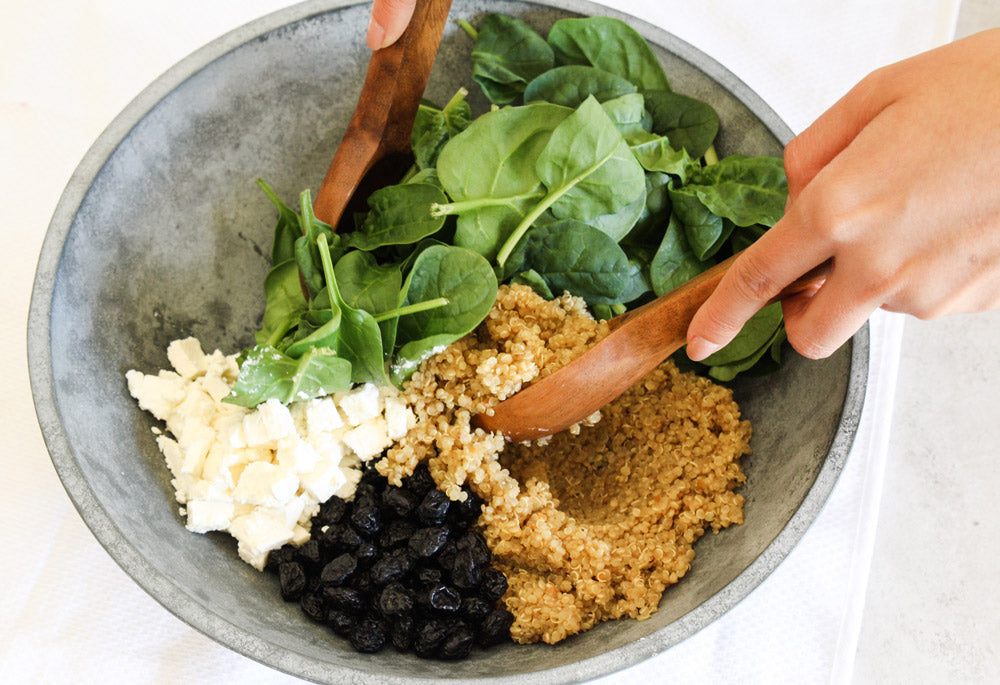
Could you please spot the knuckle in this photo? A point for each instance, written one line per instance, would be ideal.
(751, 279)
(809, 345)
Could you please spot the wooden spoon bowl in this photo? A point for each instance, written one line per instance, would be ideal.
(639, 341)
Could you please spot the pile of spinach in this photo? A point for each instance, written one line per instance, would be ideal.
(588, 175)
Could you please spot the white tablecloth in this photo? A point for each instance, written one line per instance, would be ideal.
(69, 614)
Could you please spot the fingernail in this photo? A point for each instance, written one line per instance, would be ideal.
(375, 37)
(699, 348)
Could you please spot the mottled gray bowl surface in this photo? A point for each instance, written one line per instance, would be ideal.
(162, 233)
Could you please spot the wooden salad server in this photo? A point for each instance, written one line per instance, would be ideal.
(639, 341)
(380, 127)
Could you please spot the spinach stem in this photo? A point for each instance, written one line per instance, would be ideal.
(324, 256)
(550, 199)
(413, 308)
(467, 27)
(444, 209)
(711, 156)
(458, 97)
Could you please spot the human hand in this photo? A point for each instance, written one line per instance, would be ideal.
(389, 20)
(898, 184)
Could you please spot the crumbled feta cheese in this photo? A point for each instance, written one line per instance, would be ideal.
(260, 474)
(187, 358)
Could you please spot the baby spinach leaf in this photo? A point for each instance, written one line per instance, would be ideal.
(365, 284)
(284, 302)
(316, 328)
(674, 262)
(359, 339)
(628, 112)
(570, 255)
(702, 227)
(399, 215)
(756, 336)
(608, 44)
(655, 153)
(266, 373)
(587, 167)
(286, 230)
(488, 171)
(618, 224)
(534, 280)
(506, 56)
(570, 85)
(434, 127)
(745, 190)
(688, 123)
(462, 277)
(755, 363)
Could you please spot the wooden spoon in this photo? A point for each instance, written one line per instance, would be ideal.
(383, 119)
(640, 340)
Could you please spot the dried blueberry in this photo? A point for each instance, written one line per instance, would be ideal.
(446, 557)
(426, 542)
(465, 572)
(314, 606)
(395, 600)
(399, 501)
(458, 643)
(421, 482)
(392, 566)
(464, 513)
(338, 570)
(330, 512)
(396, 533)
(366, 519)
(366, 553)
(476, 544)
(428, 576)
(308, 554)
(341, 622)
(291, 580)
(493, 585)
(428, 636)
(440, 598)
(368, 636)
(433, 508)
(475, 609)
(401, 632)
(344, 598)
(495, 628)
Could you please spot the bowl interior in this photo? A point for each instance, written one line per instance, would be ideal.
(163, 234)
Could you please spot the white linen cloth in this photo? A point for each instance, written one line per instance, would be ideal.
(70, 614)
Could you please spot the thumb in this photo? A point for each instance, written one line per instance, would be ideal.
(389, 20)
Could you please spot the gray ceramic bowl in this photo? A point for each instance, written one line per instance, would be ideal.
(162, 233)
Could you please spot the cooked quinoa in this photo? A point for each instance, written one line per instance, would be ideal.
(596, 522)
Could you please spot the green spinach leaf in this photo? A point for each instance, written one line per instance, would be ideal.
(688, 123)
(570, 85)
(608, 44)
(506, 56)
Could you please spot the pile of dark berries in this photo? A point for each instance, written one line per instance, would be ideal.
(399, 565)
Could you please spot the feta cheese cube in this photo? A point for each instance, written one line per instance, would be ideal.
(258, 533)
(360, 404)
(323, 481)
(322, 415)
(261, 482)
(206, 515)
(399, 418)
(296, 455)
(271, 421)
(369, 439)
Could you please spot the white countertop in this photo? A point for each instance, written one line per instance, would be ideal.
(931, 611)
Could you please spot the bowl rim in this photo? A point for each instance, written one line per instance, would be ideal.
(172, 597)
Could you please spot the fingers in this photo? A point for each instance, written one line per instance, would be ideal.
(833, 131)
(388, 21)
(781, 255)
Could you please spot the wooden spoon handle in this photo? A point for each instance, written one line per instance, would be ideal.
(383, 119)
(640, 340)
